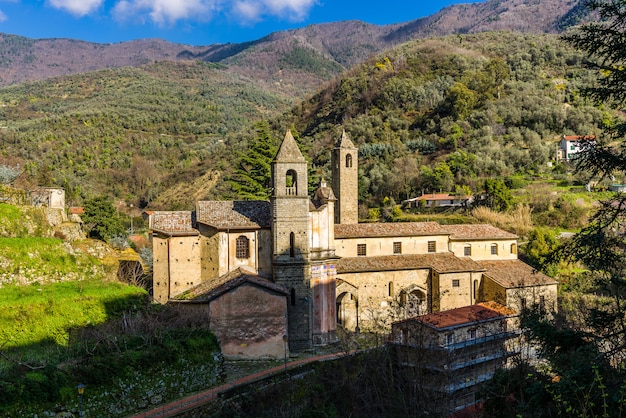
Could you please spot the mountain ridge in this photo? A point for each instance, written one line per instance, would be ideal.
(332, 47)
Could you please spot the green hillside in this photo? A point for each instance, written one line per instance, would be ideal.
(428, 115)
(125, 132)
(434, 114)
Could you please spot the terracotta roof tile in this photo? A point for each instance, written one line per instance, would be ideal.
(579, 137)
(476, 231)
(389, 229)
(174, 223)
(437, 196)
(442, 263)
(514, 273)
(210, 289)
(228, 214)
(462, 316)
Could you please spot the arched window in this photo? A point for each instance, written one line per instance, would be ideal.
(494, 249)
(292, 245)
(293, 296)
(349, 160)
(242, 247)
(467, 250)
(291, 183)
(475, 290)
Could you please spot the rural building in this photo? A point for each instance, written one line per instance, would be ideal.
(571, 145)
(432, 200)
(246, 312)
(51, 197)
(333, 270)
(450, 354)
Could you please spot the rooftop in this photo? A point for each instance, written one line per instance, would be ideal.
(514, 273)
(388, 229)
(465, 315)
(440, 262)
(212, 288)
(228, 214)
(437, 196)
(476, 231)
(174, 222)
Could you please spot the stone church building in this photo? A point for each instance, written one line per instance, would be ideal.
(288, 272)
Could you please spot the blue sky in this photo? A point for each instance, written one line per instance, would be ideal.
(195, 22)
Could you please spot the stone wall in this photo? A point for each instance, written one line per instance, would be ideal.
(376, 246)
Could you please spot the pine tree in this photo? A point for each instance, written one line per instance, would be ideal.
(253, 173)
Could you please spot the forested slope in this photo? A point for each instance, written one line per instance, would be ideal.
(432, 114)
(427, 115)
(125, 132)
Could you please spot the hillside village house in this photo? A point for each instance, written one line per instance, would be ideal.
(571, 145)
(437, 200)
(310, 262)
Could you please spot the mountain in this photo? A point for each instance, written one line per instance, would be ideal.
(144, 132)
(293, 62)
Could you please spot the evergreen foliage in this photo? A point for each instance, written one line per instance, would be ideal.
(499, 196)
(128, 133)
(489, 105)
(253, 171)
(583, 343)
(101, 219)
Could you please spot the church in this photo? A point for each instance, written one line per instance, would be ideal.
(286, 273)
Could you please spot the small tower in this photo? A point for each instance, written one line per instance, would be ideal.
(290, 238)
(345, 170)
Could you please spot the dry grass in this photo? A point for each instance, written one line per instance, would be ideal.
(517, 221)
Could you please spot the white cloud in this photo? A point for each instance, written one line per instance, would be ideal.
(164, 12)
(168, 12)
(77, 7)
(254, 10)
(3, 17)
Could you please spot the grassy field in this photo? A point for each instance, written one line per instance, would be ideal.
(35, 314)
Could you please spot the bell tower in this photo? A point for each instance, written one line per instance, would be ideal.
(290, 238)
(345, 170)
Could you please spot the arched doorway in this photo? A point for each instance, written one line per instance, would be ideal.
(413, 302)
(348, 311)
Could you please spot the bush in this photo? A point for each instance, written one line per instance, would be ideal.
(8, 174)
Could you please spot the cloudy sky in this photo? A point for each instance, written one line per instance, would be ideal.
(194, 22)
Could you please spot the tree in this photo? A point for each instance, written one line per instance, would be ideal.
(586, 360)
(498, 195)
(253, 173)
(604, 42)
(601, 244)
(101, 219)
(460, 100)
(542, 242)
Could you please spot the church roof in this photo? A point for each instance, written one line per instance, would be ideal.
(213, 288)
(441, 262)
(388, 229)
(174, 222)
(345, 141)
(289, 150)
(512, 274)
(228, 214)
(477, 231)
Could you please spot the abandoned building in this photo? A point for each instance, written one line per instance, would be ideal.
(311, 263)
(451, 354)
